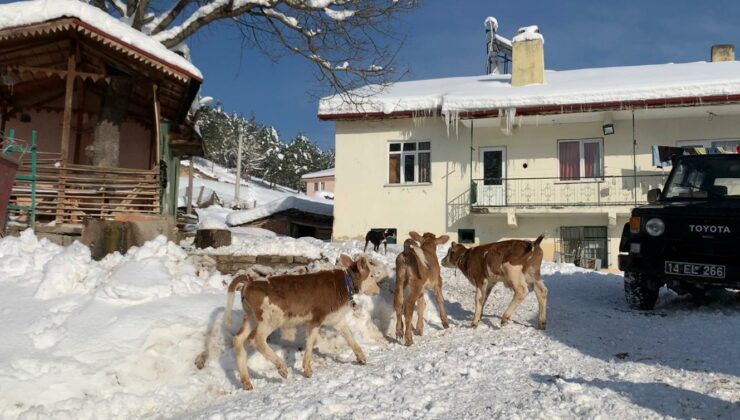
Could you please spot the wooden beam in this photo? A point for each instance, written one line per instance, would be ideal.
(68, 96)
(157, 120)
(66, 130)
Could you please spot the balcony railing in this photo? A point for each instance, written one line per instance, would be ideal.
(556, 192)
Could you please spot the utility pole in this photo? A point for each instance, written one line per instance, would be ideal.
(238, 169)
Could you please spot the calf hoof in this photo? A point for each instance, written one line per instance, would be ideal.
(307, 372)
(409, 340)
(361, 360)
(474, 325)
(419, 331)
(283, 371)
(504, 321)
(445, 324)
(246, 385)
(200, 361)
(542, 325)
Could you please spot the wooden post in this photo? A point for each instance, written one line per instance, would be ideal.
(66, 131)
(68, 95)
(157, 134)
(190, 187)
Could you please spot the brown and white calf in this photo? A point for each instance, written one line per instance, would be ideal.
(314, 299)
(417, 268)
(515, 263)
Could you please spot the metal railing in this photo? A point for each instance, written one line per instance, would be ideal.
(556, 192)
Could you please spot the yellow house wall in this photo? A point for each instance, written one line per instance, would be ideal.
(364, 200)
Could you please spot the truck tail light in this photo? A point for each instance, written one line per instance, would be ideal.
(634, 224)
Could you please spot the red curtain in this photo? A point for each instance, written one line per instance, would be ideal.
(592, 160)
(569, 154)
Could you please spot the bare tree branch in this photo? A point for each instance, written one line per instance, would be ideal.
(352, 43)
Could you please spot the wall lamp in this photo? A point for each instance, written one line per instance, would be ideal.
(608, 129)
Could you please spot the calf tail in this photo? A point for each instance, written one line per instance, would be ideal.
(230, 296)
(538, 241)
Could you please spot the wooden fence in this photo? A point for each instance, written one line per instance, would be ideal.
(68, 193)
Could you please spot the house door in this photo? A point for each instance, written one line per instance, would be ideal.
(492, 174)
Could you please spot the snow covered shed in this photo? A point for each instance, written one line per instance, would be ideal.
(319, 182)
(292, 216)
(107, 103)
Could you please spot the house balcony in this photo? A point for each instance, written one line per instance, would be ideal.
(607, 194)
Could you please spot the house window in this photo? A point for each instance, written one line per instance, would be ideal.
(315, 186)
(580, 159)
(466, 236)
(409, 162)
(322, 186)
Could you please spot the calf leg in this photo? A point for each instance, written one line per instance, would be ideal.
(440, 301)
(489, 288)
(259, 341)
(541, 292)
(520, 292)
(312, 332)
(241, 355)
(398, 301)
(408, 311)
(366, 242)
(347, 334)
(421, 306)
(480, 296)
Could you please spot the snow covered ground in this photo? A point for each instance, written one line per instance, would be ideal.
(118, 339)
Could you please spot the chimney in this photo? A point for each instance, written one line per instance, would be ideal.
(528, 57)
(723, 52)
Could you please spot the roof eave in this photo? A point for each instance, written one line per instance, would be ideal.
(551, 109)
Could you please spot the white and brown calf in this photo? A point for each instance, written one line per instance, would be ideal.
(515, 263)
(417, 268)
(313, 299)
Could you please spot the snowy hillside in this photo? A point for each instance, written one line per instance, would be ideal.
(118, 339)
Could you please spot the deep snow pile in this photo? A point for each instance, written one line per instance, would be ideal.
(118, 339)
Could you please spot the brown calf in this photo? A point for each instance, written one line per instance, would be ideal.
(515, 263)
(417, 268)
(314, 299)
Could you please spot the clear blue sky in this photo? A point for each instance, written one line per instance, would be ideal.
(446, 38)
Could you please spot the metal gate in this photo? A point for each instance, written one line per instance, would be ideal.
(585, 246)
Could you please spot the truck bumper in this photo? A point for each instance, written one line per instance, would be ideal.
(655, 266)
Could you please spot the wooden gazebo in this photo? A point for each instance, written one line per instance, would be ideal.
(109, 106)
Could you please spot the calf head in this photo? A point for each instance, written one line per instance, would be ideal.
(428, 239)
(453, 256)
(359, 272)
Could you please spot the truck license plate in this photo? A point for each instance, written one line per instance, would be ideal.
(696, 270)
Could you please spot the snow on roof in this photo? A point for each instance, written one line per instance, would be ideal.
(37, 11)
(528, 33)
(288, 203)
(454, 95)
(319, 174)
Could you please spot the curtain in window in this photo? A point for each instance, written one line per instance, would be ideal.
(592, 160)
(408, 168)
(424, 168)
(569, 153)
(394, 169)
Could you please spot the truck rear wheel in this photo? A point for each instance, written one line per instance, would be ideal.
(639, 292)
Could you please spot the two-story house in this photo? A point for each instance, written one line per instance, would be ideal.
(497, 156)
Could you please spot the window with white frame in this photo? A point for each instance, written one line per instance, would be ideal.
(321, 186)
(409, 162)
(579, 159)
